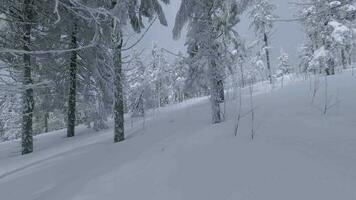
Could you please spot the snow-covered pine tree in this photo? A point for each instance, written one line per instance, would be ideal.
(10, 117)
(284, 67)
(160, 76)
(95, 86)
(240, 55)
(305, 54)
(207, 22)
(329, 26)
(21, 22)
(257, 69)
(37, 60)
(132, 11)
(78, 27)
(179, 76)
(262, 16)
(137, 84)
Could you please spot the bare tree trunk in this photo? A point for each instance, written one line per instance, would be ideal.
(158, 93)
(326, 103)
(252, 112)
(343, 59)
(72, 84)
(119, 102)
(46, 116)
(268, 59)
(2, 129)
(330, 66)
(242, 75)
(351, 61)
(117, 41)
(221, 91)
(28, 100)
(239, 111)
(214, 93)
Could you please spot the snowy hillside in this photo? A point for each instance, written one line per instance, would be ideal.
(298, 153)
(91, 107)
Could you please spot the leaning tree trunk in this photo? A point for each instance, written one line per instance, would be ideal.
(267, 58)
(28, 100)
(215, 94)
(72, 84)
(117, 41)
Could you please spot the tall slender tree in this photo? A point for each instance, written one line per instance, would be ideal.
(28, 101)
(207, 22)
(262, 16)
(117, 41)
(73, 69)
(124, 11)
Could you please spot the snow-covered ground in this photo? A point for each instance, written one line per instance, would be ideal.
(176, 154)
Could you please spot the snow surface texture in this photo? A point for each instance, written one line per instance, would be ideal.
(298, 153)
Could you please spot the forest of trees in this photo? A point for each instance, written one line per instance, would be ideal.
(62, 61)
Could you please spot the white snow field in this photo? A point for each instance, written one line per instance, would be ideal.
(298, 153)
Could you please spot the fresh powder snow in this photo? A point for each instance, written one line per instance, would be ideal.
(298, 153)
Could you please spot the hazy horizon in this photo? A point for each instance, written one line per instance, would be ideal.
(285, 35)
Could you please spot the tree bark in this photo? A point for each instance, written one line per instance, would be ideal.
(72, 84)
(268, 58)
(330, 66)
(117, 40)
(28, 100)
(214, 93)
(343, 59)
(46, 116)
(119, 103)
(221, 91)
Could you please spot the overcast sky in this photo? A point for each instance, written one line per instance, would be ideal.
(286, 35)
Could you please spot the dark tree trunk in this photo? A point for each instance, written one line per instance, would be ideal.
(72, 84)
(117, 40)
(221, 91)
(268, 59)
(119, 103)
(2, 128)
(158, 93)
(214, 93)
(343, 59)
(330, 67)
(28, 100)
(46, 116)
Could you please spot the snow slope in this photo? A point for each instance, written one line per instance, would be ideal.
(298, 153)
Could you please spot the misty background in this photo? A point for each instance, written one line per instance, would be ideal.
(285, 35)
